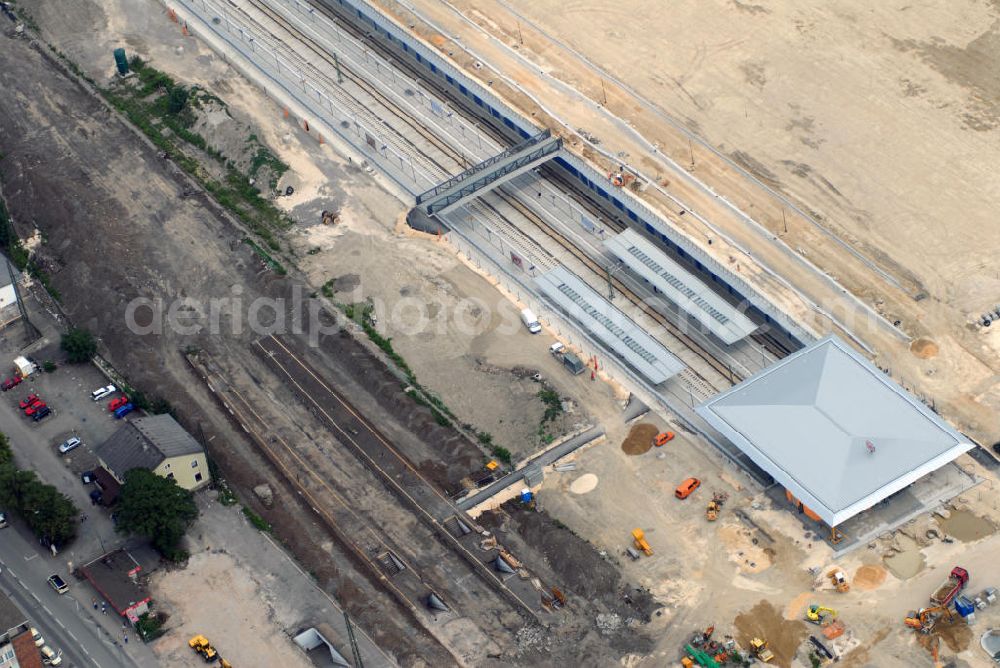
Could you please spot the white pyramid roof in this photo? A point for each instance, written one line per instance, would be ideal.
(833, 429)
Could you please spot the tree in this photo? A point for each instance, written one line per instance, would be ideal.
(79, 345)
(49, 513)
(177, 99)
(156, 508)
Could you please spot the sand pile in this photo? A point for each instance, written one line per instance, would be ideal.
(765, 621)
(867, 578)
(585, 483)
(639, 439)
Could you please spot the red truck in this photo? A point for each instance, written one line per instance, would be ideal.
(951, 587)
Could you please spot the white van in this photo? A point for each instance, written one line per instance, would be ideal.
(530, 321)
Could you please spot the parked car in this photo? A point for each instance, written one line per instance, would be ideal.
(3, 521)
(41, 413)
(69, 444)
(684, 490)
(103, 392)
(117, 403)
(28, 400)
(11, 382)
(37, 637)
(122, 411)
(58, 583)
(663, 438)
(50, 657)
(35, 407)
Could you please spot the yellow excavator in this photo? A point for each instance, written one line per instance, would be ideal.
(818, 614)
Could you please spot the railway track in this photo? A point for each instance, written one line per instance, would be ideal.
(376, 452)
(409, 561)
(355, 533)
(459, 160)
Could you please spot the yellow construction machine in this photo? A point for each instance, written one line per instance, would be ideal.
(759, 649)
(712, 512)
(200, 644)
(639, 538)
(818, 614)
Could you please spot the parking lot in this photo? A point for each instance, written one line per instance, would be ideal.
(35, 444)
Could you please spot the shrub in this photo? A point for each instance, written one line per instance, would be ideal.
(79, 345)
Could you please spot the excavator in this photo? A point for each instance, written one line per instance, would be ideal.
(924, 619)
(818, 614)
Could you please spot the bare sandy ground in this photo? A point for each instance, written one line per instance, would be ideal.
(870, 131)
(221, 599)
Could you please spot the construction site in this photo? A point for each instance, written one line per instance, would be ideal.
(525, 352)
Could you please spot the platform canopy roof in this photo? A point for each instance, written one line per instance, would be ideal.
(680, 286)
(832, 428)
(603, 321)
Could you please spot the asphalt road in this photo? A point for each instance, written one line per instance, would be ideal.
(65, 621)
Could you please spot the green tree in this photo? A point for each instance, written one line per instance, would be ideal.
(79, 345)
(6, 455)
(156, 508)
(50, 514)
(177, 99)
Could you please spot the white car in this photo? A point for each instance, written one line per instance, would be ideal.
(102, 392)
(37, 637)
(49, 657)
(69, 444)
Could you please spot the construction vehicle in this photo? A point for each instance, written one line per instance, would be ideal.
(200, 644)
(818, 614)
(715, 505)
(950, 588)
(639, 539)
(699, 657)
(839, 580)
(621, 179)
(224, 664)
(923, 620)
(821, 648)
(758, 647)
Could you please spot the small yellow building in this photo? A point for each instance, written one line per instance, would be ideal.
(157, 443)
